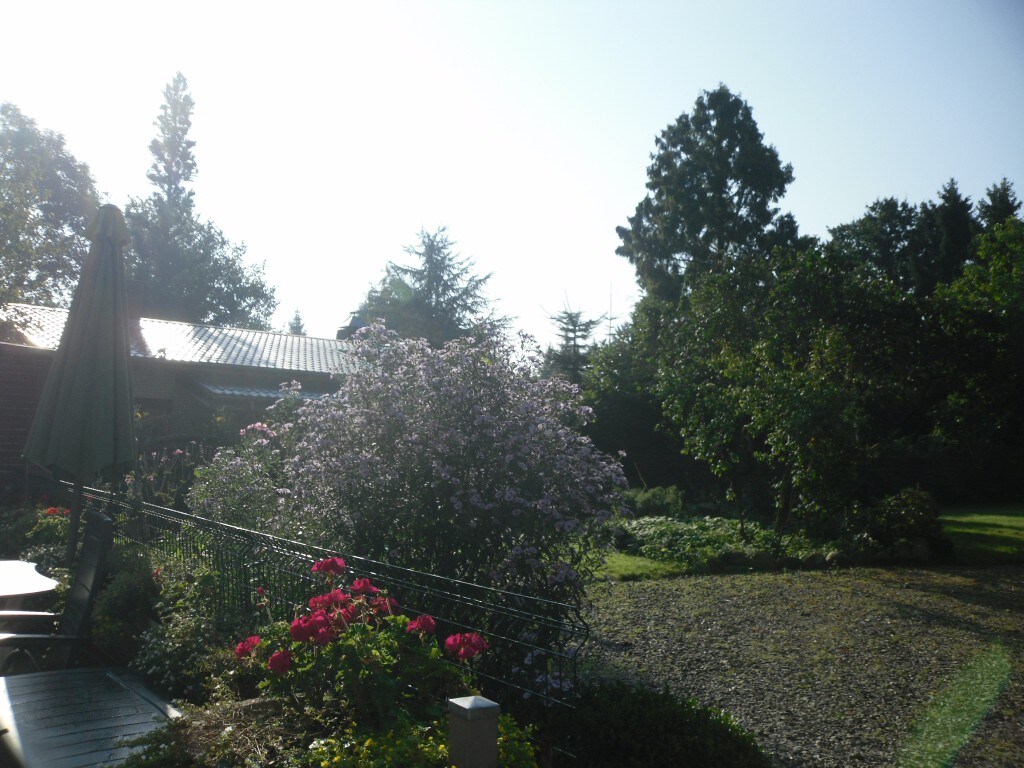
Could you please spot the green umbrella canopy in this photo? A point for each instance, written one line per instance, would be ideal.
(83, 426)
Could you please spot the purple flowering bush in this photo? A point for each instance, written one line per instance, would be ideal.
(246, 484)
(460, 461)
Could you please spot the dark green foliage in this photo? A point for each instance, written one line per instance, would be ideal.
(807, 380)
(708, 543)
(713, 187)
(46, 200)
(978, 371)
(946, 230)
(883, 242)
(999, 205)
(295, 326)
(620, 726)
(184, 654)
(571, 357)
(46, 542)
(620, 385)
(124, 608)
(438, 298)
(15, 523)
(662, 501)
(903, 517)
(164, 474)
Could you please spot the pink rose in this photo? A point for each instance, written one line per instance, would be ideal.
(280, 662)
(247, 646)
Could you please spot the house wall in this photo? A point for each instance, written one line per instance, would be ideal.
(23, 372)
(164, 389)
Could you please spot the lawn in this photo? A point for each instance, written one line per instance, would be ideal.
(621, 566)
(986, 535)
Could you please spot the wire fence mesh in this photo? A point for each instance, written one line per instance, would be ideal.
(534, 641)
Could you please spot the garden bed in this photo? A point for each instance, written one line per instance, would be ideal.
(828, 668)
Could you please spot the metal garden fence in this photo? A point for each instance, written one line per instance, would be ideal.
(534, 645)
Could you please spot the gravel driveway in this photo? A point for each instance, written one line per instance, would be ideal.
(825, 668)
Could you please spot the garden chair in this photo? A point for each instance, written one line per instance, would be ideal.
(31, 633)
(72, 718)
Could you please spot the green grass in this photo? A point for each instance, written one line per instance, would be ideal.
(986, 534)
(623, 567)
(956, 711)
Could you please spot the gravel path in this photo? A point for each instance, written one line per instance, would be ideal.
(825, 668)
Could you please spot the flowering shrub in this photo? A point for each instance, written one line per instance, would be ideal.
(45, 543)
(372, 679)
(164, 476)
(458, 461)
(246, 484)
(465, 647)
(353, 651)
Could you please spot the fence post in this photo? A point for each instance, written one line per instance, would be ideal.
(473, 727)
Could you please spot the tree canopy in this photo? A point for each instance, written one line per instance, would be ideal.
(713, 188)
(46, 199)
(183, 267)
(437, 297)
(295, 326)
(572, 355)
(810, 379)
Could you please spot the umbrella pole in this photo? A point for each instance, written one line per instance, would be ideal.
(76, 516)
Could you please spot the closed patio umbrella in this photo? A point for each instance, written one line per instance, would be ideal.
(83, 427)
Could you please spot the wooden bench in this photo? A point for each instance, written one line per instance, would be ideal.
(75, 718)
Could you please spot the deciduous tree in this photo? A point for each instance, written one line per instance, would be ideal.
(46, 199)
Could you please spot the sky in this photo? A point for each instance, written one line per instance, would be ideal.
(329, 134)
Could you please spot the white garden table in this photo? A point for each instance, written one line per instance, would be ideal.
(19, 579)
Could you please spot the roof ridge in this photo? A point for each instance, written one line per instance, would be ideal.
(202, 343)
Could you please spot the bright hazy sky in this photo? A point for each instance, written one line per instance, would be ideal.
(329, 133)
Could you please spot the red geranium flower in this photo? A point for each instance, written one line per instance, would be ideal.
(309, 627)
(280, 662)
(334, 565)
(328, 601)
(424, 623)
(386, 606)
(351, 613)
(466, 646)
(363, 587)
(246, 647)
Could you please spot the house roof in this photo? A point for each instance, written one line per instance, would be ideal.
(186, 342)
